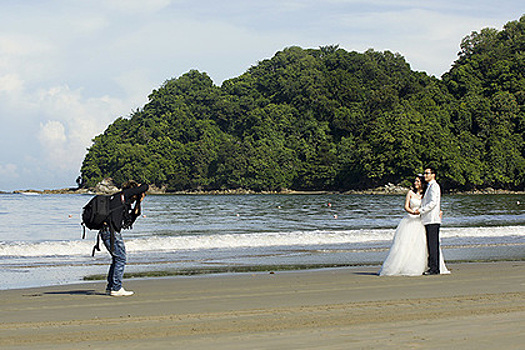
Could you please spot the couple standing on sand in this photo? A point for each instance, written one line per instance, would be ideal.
(415, 249)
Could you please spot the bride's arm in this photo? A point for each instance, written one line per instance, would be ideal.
(407, 203)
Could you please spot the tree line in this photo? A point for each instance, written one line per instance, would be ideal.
(329, 119)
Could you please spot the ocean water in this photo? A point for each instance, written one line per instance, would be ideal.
(40, 235)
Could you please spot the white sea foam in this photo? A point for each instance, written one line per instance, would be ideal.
(497, 231)
(239, 241)
(229, 241)
(48, 248)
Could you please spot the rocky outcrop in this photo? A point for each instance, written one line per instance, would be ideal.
(106, 186)
(386, 189)
(157, 190)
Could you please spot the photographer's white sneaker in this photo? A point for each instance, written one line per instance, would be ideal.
(121, 293)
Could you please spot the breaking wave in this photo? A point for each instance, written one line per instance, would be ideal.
(248, 240)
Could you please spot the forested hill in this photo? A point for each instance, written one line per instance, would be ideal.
(329, 119)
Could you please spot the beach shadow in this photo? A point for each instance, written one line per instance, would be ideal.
(75, 292)
(366, 273)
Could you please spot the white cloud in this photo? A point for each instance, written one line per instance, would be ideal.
(87, 25)
(52, 134)
(11, 83)
(428, 39)
(9, 171)
(26, 57)
(137, 6)
(77, 120)
(22, 45)
(52, 137)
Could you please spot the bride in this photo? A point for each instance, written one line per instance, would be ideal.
(408, 254)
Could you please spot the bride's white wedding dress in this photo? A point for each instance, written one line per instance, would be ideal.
(408, 254)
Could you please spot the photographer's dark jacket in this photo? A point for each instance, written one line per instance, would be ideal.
(122, 214)
(125, 217)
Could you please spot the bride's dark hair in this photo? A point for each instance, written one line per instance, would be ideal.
(424, 184)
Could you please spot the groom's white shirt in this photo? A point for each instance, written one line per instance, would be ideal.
(430, 204)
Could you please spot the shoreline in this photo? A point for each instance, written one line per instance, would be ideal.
(480, 305)
(46, 273)
(269, 269)
(386, 190)
(108, 187)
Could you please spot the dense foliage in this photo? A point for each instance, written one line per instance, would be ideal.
(330, 119)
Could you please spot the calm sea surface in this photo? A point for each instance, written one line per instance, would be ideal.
(40, 235)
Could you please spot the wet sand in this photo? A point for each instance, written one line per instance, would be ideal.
(478, 306)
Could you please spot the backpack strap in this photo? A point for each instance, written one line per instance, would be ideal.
(97, 245)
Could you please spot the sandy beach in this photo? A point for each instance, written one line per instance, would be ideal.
(478, 306)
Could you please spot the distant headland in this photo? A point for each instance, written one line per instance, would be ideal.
(331, 120)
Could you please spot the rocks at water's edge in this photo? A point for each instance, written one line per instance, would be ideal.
(107, 186)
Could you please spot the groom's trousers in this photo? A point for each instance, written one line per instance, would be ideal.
(432, 231)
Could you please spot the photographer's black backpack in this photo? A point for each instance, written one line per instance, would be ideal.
(95, 213)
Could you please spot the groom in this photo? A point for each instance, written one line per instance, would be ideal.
(431, 218)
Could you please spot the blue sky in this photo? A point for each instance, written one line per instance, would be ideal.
(68, 68)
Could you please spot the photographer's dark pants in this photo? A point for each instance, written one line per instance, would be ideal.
(432, 231)
(118, 258)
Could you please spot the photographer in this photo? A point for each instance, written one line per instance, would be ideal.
(123, 216)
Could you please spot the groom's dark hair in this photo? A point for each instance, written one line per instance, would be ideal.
(432, 169)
